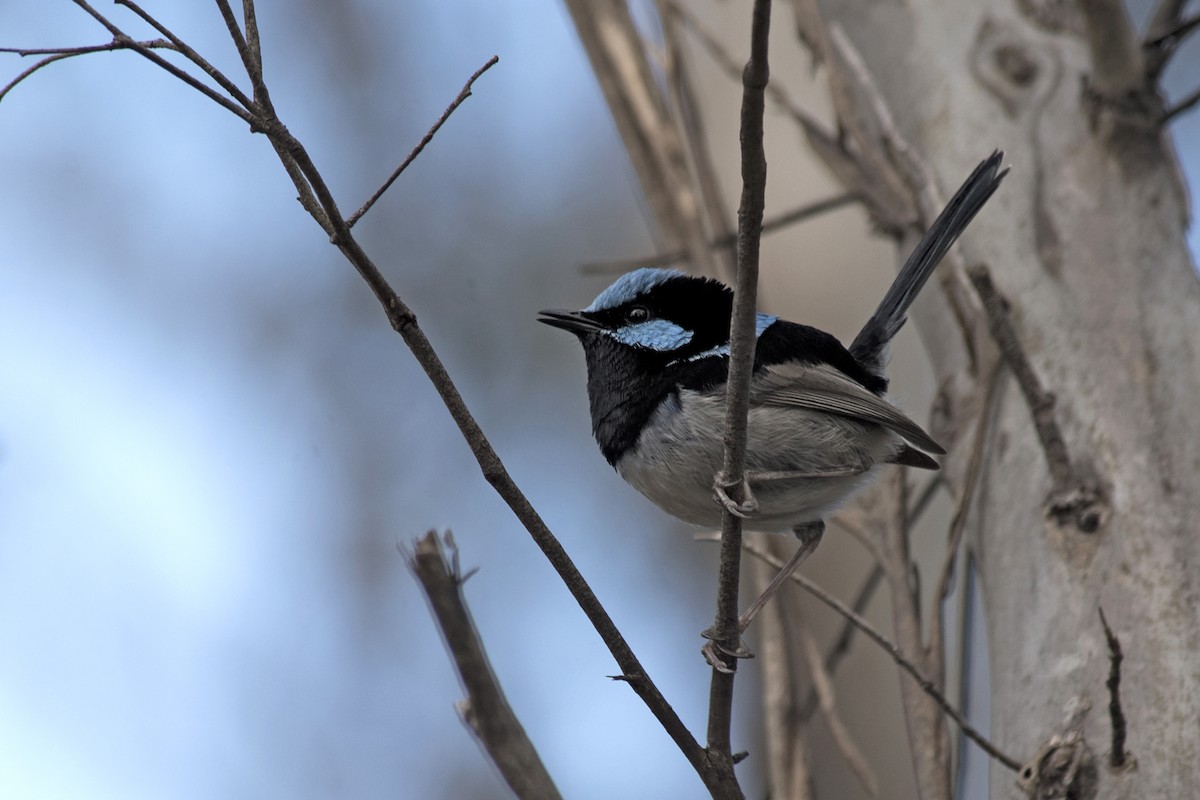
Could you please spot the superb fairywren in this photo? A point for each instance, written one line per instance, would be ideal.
(657, 349)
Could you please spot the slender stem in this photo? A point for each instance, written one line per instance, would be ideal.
(162, 63)
(741, 362)
(1183, 105)
(54, 54)
(191, 55)
(800, 214)
(416, 151)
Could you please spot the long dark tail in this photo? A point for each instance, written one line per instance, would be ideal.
(871, 344)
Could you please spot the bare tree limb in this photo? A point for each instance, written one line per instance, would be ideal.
(892, 650)
(1175, 35)
(958, 522)
(823, 686)
(1164, 34)
(1183, 105)
(929, 741)
(792, 217)
(684, 108)
(726, 632)
(850, 520)
(318, 199)
(54, 54)
(841, 645)
(190, 54)
(426, 139)
(650, 133)
(485, 709)
(884, 205)
(1074, 498)
(786, 757)
(1117, 67)
(917, 183)
(162, 63)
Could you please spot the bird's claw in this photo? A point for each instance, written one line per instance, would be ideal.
(717, 654)
(745, 509)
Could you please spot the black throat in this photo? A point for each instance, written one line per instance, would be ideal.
(624, 386)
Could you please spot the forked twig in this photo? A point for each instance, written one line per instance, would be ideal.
(319, 201)
(162, 63)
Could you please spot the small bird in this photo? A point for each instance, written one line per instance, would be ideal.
(657, 348)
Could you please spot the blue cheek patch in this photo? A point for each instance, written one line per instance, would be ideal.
(656, 334)
(761, 323)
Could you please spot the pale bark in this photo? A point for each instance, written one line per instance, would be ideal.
(1086, 241)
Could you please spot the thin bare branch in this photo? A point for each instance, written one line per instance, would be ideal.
(154, 58)
(54, 54)
(1175, 35)
(785, 757)
(485, 710)
(652, 135)
(958, 523)
(239, 40)
(841, 645)
(253, 43)
(317, 198)
(909, 178)
(892, 650)
(727, 634)
(1164, 34)
(1074, 499)
(426, 139)
(191, 55)
(823, 686)
(684, 108)
(1183, 105)
(731, 66)
(404, 322)
(730, 240)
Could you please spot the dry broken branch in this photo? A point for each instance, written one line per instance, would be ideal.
(485, 709)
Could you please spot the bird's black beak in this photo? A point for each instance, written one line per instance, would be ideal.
(573, 321)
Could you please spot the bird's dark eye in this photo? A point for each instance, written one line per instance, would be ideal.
(637, 314)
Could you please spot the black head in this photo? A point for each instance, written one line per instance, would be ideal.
(658, 315)
(651, 332)
(656, 331)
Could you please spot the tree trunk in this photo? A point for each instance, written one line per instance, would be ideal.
(1086, 240)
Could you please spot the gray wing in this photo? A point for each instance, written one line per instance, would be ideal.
(823, 388)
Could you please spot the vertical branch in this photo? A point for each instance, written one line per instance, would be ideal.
(741, 363)
(929, 740)
(652, 136)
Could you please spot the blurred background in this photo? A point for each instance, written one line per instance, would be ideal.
(211, 441)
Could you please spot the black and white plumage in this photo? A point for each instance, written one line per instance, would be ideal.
(657, 349)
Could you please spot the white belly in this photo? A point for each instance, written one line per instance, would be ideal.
(680, 451)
